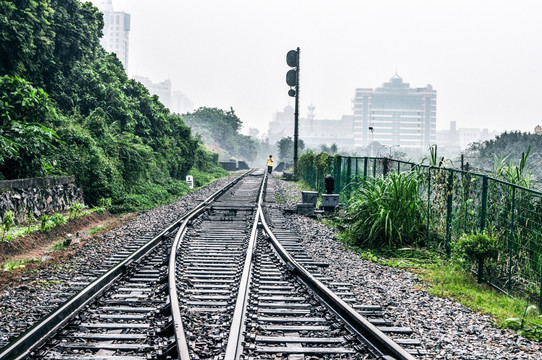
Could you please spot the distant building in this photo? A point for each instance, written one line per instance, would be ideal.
(448, 140)
(316, 132)
(282, 125)
(456, 139)
(538, 130)
(313, 132)
(175, 101)
(116, 31)
(161, 89)
(180, 103)
(398, 114)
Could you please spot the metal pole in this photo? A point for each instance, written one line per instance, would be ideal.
(449, 215)
(296, 113)
(511, 240)
(484, 204)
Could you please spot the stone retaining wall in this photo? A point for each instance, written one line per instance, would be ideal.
(39, 196)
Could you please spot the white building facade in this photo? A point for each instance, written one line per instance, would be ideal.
(397, 114)
(116, 32)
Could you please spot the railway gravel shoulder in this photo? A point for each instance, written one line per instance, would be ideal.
(448, 329)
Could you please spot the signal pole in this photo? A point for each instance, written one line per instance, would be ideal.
(292, 79)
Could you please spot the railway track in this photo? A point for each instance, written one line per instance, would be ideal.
(226, 281)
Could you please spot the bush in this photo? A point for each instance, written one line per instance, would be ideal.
(7, 223)
(386, 212)
(58, 219)
(475, 247)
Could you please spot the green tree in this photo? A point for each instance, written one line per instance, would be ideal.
(24, 138)
(285, 148)
(508, 151)
(26, 37)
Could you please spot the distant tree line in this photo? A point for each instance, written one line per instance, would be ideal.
(506, 151)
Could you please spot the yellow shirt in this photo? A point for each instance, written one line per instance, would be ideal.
(270, 162)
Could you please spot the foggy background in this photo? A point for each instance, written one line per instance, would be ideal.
(483, 57)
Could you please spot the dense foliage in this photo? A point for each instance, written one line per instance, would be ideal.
(285, 147)
(23, 136)
(67, 107)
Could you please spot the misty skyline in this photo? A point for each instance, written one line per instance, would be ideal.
(482, 57)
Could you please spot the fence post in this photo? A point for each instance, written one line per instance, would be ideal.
(365, 164)
(449, 214)
(349, 170)
(374, 168)
(356, 173)
(484, 203)
(511, 240)
(337, 169)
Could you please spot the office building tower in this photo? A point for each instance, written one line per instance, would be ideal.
(116, 31)
(395, 115)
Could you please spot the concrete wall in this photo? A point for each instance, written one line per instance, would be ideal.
(39, 195)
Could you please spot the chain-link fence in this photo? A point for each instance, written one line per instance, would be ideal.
(457, 203)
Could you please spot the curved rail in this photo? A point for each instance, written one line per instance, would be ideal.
(37, 334)
(182, 346)
(360, 324)
(234, 348)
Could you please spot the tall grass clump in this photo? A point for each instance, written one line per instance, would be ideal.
(386, 212)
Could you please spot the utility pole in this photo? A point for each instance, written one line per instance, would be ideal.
(292, 79)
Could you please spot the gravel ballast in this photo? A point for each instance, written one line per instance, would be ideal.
(447, 329)
(42, 290)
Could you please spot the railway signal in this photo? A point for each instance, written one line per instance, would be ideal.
(292, 79)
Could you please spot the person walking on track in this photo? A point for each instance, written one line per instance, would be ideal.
(270, 164)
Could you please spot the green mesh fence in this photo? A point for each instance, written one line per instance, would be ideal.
(458, 203)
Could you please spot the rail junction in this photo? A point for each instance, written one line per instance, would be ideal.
(226, 281)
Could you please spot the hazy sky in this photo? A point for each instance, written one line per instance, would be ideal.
(484, 58)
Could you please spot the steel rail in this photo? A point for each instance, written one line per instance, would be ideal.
(234, 347)
(34, 337)
(182, 345)
(360, 324)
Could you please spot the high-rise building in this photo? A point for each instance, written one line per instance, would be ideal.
(180, 103)
(116, 31)
(162, 89)
(395, 115)
(175, 101)
(282, 125)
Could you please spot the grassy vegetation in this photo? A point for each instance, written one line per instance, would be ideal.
(17, 264)
(97, 229)
(441, 277)
(61, 245)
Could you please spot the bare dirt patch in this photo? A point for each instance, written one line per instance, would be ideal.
(38, 245)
